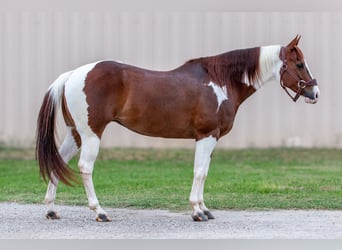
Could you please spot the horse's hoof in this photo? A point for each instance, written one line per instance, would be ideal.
(209, 215)
(52, 215)
(103, 218)
(199, 217)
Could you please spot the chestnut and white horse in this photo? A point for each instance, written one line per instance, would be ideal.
(197, 100)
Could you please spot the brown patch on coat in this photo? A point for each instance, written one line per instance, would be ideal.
(69, 121)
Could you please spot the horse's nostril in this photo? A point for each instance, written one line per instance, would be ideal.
(316, 95)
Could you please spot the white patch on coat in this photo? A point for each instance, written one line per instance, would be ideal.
(245, 79)
(78, 108)
(56, 88)
(269, 64)
(315, 88)
(220, 92)
(308, 69)
(76, 98)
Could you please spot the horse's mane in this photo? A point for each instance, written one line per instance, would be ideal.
(240, 66)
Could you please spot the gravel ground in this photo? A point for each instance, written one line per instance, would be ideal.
(19, 221)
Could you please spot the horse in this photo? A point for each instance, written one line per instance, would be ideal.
(198, 100)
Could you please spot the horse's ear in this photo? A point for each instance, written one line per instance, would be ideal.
(294, 42)
(298, 37)
(292, 49)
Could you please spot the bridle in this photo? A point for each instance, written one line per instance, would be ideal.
(301, 83)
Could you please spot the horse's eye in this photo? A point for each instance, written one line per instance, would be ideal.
(300, 65)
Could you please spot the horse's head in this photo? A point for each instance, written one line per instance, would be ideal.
(295, 73)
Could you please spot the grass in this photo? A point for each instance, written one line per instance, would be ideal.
(149, 178)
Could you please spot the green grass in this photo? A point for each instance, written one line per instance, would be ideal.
(143, 178)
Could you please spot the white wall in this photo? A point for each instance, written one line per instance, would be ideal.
(38, 43)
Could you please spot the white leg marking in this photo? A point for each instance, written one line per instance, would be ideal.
(89, 152)
(67, 150)
(204, 149)
(50, 195)
(220, 92)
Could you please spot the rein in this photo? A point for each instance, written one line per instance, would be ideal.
(301, 83)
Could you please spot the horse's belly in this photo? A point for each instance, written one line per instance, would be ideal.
(158, 124)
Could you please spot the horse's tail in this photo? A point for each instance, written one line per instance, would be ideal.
(50, 162)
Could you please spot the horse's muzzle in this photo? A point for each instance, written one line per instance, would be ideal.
(311, 96)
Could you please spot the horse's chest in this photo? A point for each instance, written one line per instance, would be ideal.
(225, 117)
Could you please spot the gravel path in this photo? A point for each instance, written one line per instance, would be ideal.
(18, 221)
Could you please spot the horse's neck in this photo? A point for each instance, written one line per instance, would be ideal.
(269, 63)
(269, 66)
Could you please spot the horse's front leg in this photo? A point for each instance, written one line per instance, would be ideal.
(204, 149)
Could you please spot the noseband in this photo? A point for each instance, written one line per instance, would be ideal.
(301, 83)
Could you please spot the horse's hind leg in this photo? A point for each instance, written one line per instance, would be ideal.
(89, 152)
(67, 150)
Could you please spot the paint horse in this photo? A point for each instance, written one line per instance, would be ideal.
(197, 100)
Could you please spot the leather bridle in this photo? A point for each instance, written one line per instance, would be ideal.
(300, 82)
